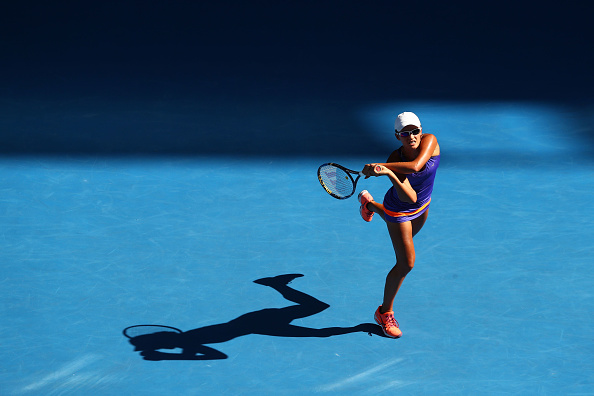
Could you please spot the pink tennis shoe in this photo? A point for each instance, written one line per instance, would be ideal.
(388, 323)
(364, 197)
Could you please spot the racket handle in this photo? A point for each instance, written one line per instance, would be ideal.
(378, 168)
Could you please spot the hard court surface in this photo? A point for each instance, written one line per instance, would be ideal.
(500, 298)
(153, 167)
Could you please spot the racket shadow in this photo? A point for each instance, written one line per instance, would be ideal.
(269, 321)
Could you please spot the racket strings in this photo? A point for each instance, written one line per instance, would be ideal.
(336, 180)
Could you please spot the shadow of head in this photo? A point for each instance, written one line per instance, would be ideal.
(158, 340)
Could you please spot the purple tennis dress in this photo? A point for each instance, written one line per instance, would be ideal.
(422, 182)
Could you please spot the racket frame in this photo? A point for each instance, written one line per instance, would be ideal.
(348, 171)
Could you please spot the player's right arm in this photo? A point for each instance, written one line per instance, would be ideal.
(403, 188)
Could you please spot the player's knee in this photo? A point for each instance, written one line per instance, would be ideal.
(406, 265)
(409, 265)
(402, 268)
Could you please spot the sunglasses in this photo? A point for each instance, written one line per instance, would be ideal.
(408, 133)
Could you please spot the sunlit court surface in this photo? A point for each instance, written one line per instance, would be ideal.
(181, 244)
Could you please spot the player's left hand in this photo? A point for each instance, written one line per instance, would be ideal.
(374, 170)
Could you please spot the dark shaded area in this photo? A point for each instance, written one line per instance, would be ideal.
(270, 321)
(267, 78)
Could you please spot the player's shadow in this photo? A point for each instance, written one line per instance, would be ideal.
(270, 321)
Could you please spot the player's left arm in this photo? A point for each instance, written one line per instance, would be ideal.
(428, 147)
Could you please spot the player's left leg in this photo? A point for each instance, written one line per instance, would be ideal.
(369, 206)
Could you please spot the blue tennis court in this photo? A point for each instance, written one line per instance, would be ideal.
(499, 301)
(183, 196)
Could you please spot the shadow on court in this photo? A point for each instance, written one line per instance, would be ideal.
(195, 78)
(270, 321)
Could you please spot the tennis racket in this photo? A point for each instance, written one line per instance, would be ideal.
(338, 181)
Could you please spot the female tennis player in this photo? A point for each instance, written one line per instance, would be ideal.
(411, 168)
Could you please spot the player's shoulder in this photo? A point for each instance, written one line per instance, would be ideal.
(395, 156)
(429, 136)
(430, 139)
